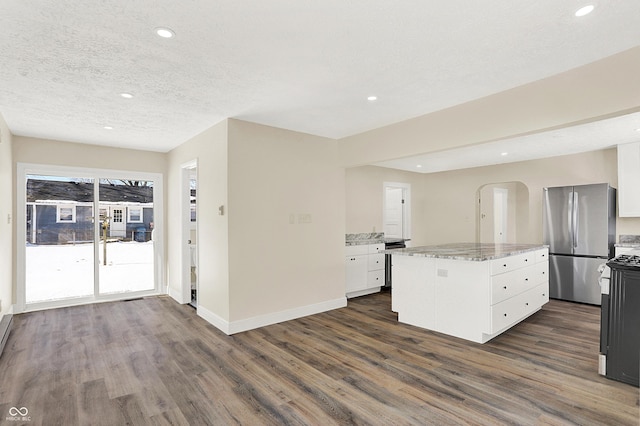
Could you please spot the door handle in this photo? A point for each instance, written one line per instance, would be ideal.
(576, 206)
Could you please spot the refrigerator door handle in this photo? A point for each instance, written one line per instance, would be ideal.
(574, 222)
(570, 220)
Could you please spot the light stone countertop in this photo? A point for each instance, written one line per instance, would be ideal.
(466, 251)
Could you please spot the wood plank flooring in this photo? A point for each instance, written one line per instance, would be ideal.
(153, 361)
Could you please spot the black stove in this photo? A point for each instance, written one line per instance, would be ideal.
(620, 321)
(625, 261)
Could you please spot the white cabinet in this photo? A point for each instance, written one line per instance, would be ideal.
(473, 300)
(629, 180)
(364, 269)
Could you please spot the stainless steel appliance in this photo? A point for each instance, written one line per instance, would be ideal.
(390, 243)
(620, 319)
(579, 225)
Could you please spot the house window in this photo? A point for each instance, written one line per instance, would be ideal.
(135, 214)
(66, 214)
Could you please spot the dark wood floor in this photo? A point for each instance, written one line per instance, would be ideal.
(152, 361)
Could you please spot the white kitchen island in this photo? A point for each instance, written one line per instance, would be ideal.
(471, 291)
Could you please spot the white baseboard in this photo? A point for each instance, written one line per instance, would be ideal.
(213, 319)
(269, 319)
(176, 295)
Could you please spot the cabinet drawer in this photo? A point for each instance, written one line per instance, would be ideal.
(356, 250)
(512, 311)
(504, 286)
(542, 255)
(375, 279)
(376, 261)
(540, 273)
(510, 263)
(375, 248)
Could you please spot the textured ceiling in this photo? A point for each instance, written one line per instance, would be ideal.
(297, 64)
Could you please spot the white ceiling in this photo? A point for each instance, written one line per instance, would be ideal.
(302, 65)
(572, 140)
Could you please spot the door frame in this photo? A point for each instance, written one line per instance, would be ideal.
(186, 171)
(24, 169)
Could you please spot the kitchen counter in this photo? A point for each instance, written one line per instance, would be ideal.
(467, 251)
(364, 238)
(471, 291)
(371, 238)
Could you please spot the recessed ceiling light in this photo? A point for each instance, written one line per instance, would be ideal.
(638, 129)
(165, 32)
(504, 154)
(126, 95)
(372, 98)
(585, 10)
(108, 127)
(419, 166)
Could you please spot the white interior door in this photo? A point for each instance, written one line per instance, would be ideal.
(396, 210)
(501, 215)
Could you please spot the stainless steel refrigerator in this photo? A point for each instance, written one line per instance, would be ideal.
(579, 225)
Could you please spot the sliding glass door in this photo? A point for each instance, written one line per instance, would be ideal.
(59, 248)
(126, 235)
(88, 236)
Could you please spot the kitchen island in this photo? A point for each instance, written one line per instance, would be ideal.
(468, 290)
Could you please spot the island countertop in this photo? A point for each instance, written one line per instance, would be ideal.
(466, 251)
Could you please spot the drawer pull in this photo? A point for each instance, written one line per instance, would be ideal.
(505, 265)
(527, 304)
(526, 279)
(505, 287)
(505, 315)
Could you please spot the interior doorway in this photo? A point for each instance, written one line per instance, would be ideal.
(396, 213)
(88, 235)
(503, 213)
(190, 232)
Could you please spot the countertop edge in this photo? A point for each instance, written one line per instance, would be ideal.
(431, 252)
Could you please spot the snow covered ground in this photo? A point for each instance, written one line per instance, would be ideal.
(60, 271)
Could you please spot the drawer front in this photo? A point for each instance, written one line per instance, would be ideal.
(356, 250)
(376, 261)
(511, 311)
(375, 248)
(511, 263)
(542, 255)
(506, 264)
(375, 279)
(540, 273)
(504, 286)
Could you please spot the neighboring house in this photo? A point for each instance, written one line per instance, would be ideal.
(62, 212)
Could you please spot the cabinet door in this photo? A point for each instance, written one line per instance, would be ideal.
(356, 273)
(629, 180)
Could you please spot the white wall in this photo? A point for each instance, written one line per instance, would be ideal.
(277, 266)
(210, 150)
(365, 198)
(6, 228)
(447, 204)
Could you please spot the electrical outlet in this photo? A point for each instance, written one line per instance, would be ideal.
(304, 218)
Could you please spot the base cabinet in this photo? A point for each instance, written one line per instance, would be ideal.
(468, 299)
(364, 269)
